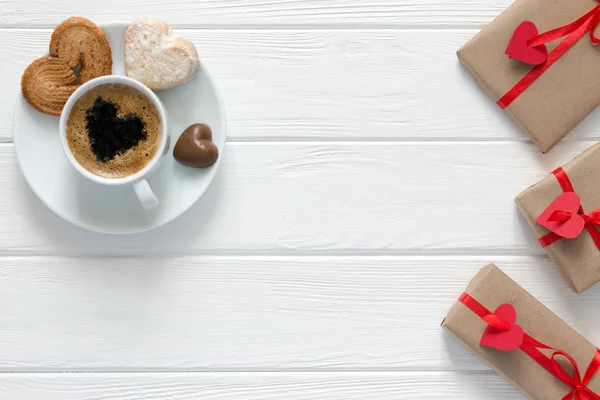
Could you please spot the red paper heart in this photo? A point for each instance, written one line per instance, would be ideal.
(567, 202)
(519, 49)
(503, 340)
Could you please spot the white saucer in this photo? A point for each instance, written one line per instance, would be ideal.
(116, 209)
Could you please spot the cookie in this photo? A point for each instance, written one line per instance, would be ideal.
(78, 41)
(157, 57)
(48, 82)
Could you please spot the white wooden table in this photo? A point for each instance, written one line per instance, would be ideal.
(366, 179)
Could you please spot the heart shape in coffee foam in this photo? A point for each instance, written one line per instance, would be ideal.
(566, 203)
(111, 134)
(157, 57)
(504, 339)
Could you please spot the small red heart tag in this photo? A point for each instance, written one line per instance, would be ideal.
(508, 340)
(519, 49)
(570, 228)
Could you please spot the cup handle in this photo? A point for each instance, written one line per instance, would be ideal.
(145, 194)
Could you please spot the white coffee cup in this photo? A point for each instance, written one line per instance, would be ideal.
(138, 180)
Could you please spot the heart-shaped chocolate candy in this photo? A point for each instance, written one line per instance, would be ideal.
(157, 57)
(195, 148)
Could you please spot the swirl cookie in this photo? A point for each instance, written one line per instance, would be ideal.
(78, 41)
(157, 57)
(48, 82)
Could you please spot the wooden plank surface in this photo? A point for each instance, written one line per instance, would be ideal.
(256, 386)
(277, 13)
(212, 313)
(366, 180)
(345, 85)
(355, 197)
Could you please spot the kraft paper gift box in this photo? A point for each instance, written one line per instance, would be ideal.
(563, 95)
(492, 288)
(577, 259)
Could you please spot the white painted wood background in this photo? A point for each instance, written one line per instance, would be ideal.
(366, 180)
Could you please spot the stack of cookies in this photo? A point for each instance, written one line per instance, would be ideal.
(49, 81)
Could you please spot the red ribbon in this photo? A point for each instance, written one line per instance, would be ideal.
(573, 32)
(531, 346)
(591, 221)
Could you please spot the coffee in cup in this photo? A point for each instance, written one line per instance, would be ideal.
(113, 130)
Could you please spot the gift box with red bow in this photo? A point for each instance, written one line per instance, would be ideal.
(563, 209)
(548, 81)
(523, 341)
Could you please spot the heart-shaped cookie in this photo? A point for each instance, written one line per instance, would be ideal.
(561, 216)
(79, 42)
(48, 82)
(519, 48)
(157, 57)
(510, 337)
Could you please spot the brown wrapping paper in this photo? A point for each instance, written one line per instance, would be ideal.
(491, 287)
(578, 260)
(563, 95)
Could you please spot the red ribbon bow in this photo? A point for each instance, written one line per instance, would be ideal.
(573, 32)
(531, 347)
(590, 221)
(564, 216)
